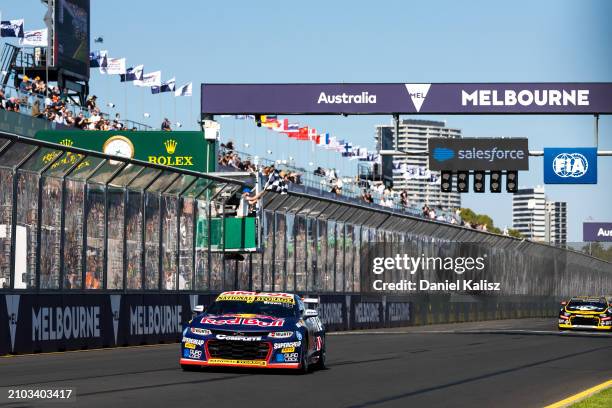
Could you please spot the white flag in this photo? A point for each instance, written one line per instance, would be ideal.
(11, 28)
(150, 79)
(184, 90)
(114, 66)
(35, 38)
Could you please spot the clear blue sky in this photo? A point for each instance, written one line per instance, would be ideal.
(384, 41)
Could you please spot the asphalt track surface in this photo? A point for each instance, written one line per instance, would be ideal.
(511, 363)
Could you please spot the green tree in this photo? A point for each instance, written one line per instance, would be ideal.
(468, 215)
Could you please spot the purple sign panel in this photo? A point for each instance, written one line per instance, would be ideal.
(477, 98)
(597, 231)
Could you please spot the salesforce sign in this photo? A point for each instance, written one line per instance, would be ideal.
(478, 154)
(570, 165)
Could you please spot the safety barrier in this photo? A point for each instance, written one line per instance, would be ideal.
(38, 322)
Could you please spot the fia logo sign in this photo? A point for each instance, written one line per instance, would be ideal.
(570, 166)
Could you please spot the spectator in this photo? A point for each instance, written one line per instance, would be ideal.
(90, 104)
(117, 125)
(404, 198)
(25, 85)
(59, 118)
(2, 98)
(36, 109)
(166, 125)
(69, 118)
(367, 197)
(12, 105)
(80, 121)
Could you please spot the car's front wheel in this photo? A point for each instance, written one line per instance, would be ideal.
(304, 363)
(320, 364)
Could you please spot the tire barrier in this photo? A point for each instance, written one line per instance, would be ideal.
(33, 323)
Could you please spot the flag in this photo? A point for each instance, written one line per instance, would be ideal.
(283, 125)
(312, 134)
(359, 152)
(150, 79)
(11, 28)
(302, 133)
(292, 130)
(347, 149)
(133, 74)
(167, 86)
(35, 38)
(324, 139)
(96, 58)
(114, 66)
(184, 90)
(269, 121)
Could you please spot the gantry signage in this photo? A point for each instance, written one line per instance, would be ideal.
(402, 98)
(567, 165)
(478, 154)
(597, 232)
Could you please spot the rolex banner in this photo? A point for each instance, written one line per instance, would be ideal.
(186, 150)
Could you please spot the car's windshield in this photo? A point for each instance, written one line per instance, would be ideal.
(257, 305)
(585, 304)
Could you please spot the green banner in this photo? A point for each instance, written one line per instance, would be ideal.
(186, 150)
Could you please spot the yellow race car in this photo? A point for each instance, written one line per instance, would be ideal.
(586, 313)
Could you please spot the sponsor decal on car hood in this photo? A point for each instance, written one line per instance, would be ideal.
(244, 322)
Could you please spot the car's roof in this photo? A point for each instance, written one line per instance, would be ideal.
(589, 298)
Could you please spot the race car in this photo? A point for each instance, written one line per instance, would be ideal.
(257, 330)
(586, 313)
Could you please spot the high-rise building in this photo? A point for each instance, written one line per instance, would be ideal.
(529, 213)
(556, 222)
(413, 136)
(538, 219)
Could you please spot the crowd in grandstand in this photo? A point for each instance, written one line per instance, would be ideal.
(50, 103)
(372, 193)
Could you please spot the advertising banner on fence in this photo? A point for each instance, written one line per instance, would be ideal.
(402, 98)
(478, 154)
(597, 232)
(186, 150)
(44, 323)
(574, 165)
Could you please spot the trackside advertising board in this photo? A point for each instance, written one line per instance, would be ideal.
(577, 165)
(185, 150)
(478, 154)
(404, 98)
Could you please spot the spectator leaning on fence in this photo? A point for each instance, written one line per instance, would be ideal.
(166, 125)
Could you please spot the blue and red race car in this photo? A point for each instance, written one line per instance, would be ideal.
(255, 329)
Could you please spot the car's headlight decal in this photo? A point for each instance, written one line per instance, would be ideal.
(201, 332)
(281, 335)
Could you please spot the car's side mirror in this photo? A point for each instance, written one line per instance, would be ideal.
(198, 309)
(310, 313)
